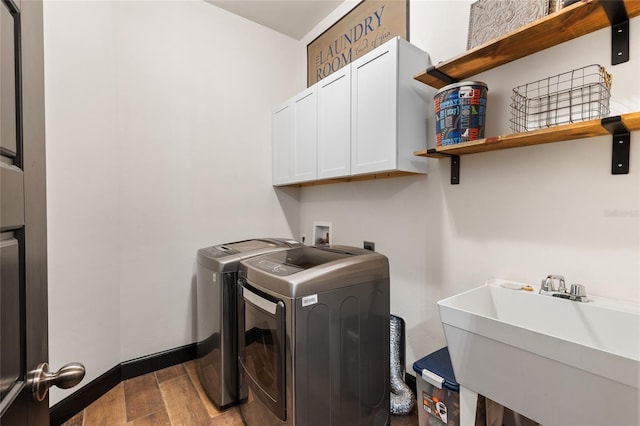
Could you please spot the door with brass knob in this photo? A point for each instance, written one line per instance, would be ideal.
(24, 374)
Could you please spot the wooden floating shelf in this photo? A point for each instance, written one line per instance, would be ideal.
(631, 121)
(585, 129)
(574, 21)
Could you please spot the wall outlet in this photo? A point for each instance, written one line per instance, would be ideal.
(369, 245)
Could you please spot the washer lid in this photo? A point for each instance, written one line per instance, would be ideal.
(245, 246)
(307, 270)
(301, 259)
(224, 257)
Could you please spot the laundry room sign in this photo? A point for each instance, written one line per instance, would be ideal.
(365, 27)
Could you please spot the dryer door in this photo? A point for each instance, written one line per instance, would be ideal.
(262, 348)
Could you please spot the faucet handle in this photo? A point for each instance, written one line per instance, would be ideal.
(547, 283)
(562, 288)
(578, 292)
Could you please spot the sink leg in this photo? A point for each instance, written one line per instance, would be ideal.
(468, 404)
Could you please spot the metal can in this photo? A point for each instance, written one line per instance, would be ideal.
(460, 110)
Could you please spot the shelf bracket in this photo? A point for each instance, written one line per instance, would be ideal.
(433, 71)
(621, 144)
(619, 20)
(455, 169)
(455, 164)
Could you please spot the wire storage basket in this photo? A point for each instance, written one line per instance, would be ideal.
(570, 97)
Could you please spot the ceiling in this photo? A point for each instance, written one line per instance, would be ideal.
(294, 18)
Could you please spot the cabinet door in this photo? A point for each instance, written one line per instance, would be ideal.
(305, 135)
(334, 124)
(282, 127)
(374, 110)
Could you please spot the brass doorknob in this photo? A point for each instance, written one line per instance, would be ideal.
(67, 377)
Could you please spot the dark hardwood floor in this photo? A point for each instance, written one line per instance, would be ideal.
(169, 397)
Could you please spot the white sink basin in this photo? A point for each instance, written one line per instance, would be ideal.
(556, 361)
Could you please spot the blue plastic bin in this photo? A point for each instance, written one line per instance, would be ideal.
(438, 392)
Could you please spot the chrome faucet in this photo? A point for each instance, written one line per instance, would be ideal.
(548, 287)
(577, 292)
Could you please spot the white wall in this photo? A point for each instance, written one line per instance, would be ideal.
(197, 86)
(518, 214)
(82, 186)
(158, 144)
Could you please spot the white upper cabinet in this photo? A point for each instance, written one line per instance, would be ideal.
(373, 110)
(334, 125)
(388, 113)
(282, 135)
(367, 118)
(305, 135)
(294, 137)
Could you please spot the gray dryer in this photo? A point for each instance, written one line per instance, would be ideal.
(216, 327)
(314, 337)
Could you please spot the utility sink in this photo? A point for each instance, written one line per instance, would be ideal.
(556, 361)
